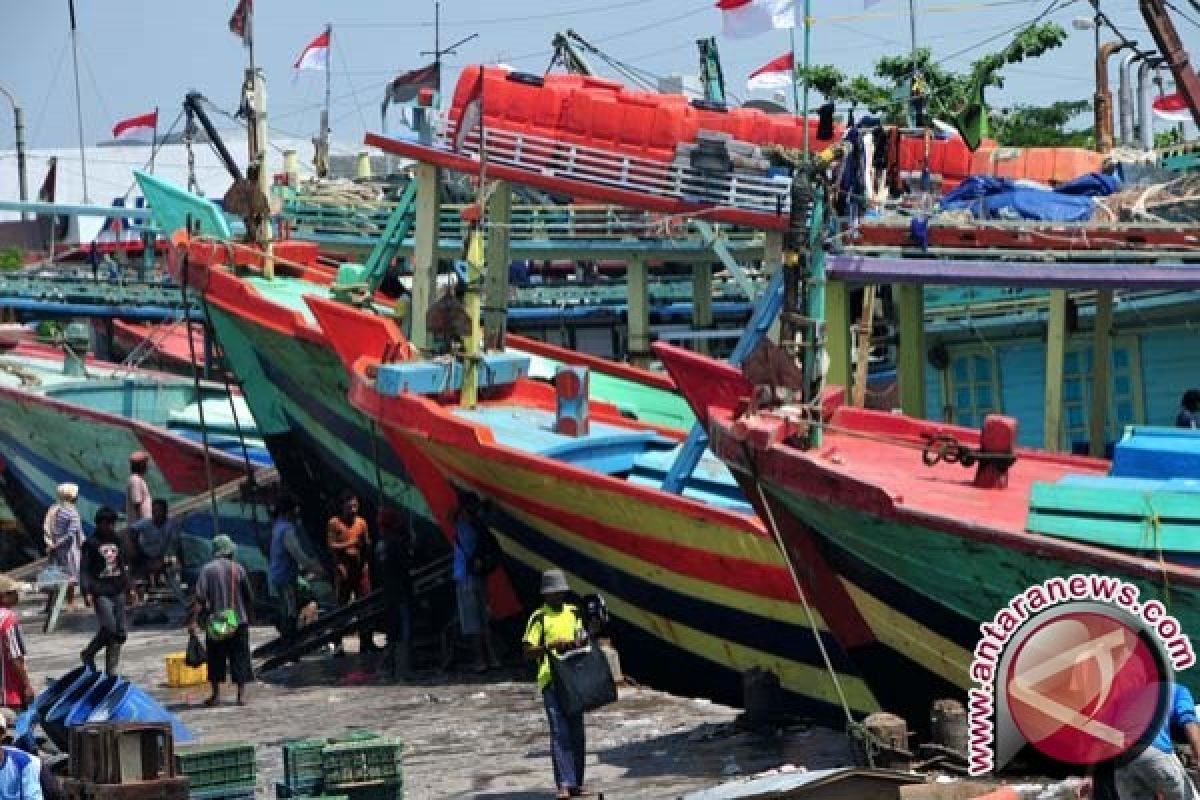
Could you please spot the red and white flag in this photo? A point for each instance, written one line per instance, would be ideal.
(240, 23)
(316, 55)
(744, 18)
(139, 127)
(778, 73)
(1173, 107)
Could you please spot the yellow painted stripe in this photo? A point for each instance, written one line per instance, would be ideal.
(911, 639)
(784, 611)
(613, 508)
(802, 679)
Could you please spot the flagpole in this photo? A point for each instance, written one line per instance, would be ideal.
(807, 59)
(154, 141)
(328, 79)
(795, 83)
(78, 101)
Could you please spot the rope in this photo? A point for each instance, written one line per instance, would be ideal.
(212, 495)
(769, 516)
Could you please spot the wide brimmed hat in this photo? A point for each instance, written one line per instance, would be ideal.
(554, 581)
(223, 545)
(68, 492)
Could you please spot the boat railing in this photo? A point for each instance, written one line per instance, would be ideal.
(675, 180)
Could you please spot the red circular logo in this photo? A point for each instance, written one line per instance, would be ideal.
(1085, 687)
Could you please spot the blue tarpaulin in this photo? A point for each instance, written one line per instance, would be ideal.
(989, 197)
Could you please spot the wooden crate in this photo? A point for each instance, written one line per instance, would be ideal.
(110, 753)
(163, 789)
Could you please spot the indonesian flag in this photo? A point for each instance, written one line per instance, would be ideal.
(239, 22)
(777, 73)
(140, 127)
(744, 18)
(1173, 107)
(316, 55)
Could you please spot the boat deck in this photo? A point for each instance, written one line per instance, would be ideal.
(893, 464)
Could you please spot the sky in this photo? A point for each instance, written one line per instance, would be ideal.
(139, 54)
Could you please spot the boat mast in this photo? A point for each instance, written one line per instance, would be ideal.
(78, 101)
(254, 101)
(322, 160)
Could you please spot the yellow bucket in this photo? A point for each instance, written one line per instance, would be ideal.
(180, 674)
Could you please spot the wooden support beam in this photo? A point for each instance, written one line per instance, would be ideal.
(837, 333)
(639, 312)
(425, 251)
(773, 261)
(495, 286)
(1101, 373)
(1056, 351)
(910, 299)
(702, 301)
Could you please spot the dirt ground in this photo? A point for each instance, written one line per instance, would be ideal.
(465, 736)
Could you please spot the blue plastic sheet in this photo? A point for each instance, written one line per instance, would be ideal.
(988, 197)
(83, 696)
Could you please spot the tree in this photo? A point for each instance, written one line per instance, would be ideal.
(949, 93)
(1044, 126)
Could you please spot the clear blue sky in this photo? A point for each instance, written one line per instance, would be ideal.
(136, 54)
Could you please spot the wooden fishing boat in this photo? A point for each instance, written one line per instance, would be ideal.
(163, 346)
(67, 418)
(922, 554)
(698, 589)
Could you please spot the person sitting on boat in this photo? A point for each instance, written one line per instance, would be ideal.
(1189, 411)
(557, 627)
(223, 598)
(1157, 770)
(63, 530)
(349, 543)
(104, 578)
(156, 539)
(15, 686)
(288, 559)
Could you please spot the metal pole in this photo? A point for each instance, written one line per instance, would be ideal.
(912, 30)
(795, 83)
(154, 141)
(328, 80)
(807, 63)
(78, 101)
(19, 124)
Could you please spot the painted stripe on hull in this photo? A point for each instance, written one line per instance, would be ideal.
(799, 674)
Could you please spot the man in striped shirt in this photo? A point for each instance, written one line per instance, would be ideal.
(15, 687)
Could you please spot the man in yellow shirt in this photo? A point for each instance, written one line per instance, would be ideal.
(557, 627)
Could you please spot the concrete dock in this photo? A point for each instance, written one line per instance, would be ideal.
(466, 736)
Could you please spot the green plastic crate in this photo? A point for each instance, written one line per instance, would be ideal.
(374, 790)
(212, 766)
(243, 791)
(302, 764)
(362, 761)
(359, 735)
(285, 792)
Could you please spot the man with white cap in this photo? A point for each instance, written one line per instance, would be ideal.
(15, 689)
(20, 772)
(63, 531)
(557, 627)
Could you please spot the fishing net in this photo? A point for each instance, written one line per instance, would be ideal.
(1176, 201)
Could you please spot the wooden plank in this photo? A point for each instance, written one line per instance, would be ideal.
(425, 251)
(639, 313)
(1122, 533)
(911, 361)
(1101, 371)
(702, 310)
(1056, 350)
(837, 332)
(495, 288)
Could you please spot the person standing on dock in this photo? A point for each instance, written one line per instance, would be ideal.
(557, 627)
(63, 529)
(394, 557)
(470, 583)
(138, 503)
(14, 678)
(223, 597)
(105, 582)
(288, 559)
(349, 543)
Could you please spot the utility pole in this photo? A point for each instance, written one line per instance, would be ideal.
(19, 124)
(78, 101)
